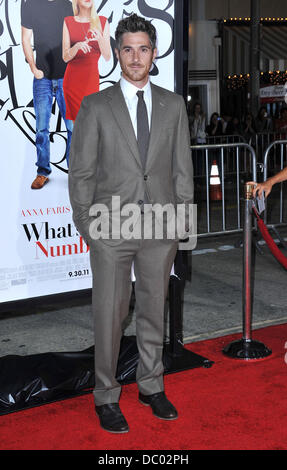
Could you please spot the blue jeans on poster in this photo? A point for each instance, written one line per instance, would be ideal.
(44, 90)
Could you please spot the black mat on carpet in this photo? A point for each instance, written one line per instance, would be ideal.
(28, 381)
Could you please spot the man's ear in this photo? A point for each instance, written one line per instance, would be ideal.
(117, 53)
(154, 54)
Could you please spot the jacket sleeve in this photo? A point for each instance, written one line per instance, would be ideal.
(182, 162)
(182, 165)
(83, 166)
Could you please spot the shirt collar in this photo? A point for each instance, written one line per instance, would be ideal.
(129, 90)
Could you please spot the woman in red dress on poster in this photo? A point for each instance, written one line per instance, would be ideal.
(86, 36)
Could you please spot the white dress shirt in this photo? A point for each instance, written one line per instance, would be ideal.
(130, 94)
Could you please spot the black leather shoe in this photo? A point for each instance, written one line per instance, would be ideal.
(160, 405)
(111, 418)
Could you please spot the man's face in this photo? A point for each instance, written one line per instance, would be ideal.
(136, 57)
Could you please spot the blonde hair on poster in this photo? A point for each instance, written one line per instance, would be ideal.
(95, 23)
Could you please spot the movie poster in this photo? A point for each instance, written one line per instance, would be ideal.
(41, 251)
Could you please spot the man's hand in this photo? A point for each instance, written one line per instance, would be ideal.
(28, 52)
(260, 187)
(38, 73)
(268, 184)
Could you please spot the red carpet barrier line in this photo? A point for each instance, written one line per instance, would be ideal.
(269, 240)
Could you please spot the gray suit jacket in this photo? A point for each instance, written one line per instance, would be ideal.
(105, 161)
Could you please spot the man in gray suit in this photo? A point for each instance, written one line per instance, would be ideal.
(135, 146)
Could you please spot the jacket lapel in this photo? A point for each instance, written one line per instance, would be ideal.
(157, 120)
(122, 116)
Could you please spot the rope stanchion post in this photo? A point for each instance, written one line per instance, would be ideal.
(247, 348)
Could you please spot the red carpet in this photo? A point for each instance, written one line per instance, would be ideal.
(235, 405)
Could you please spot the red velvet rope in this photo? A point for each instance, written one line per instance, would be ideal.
(270, 242)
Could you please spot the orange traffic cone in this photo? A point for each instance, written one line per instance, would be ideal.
(215, 185)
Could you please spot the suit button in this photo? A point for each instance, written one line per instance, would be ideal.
(145, 177)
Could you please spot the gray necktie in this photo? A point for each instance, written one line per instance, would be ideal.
(142, 128)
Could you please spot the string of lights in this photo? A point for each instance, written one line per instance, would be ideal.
(246, 20)
(234, 82)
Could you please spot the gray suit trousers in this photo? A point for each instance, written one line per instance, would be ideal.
(112, 286)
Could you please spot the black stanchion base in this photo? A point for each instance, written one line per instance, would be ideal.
(175, 358)
(182, 360)
(246, 349)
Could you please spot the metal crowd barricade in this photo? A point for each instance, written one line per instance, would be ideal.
(240, 149)
(215, 140)
(263, 140)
